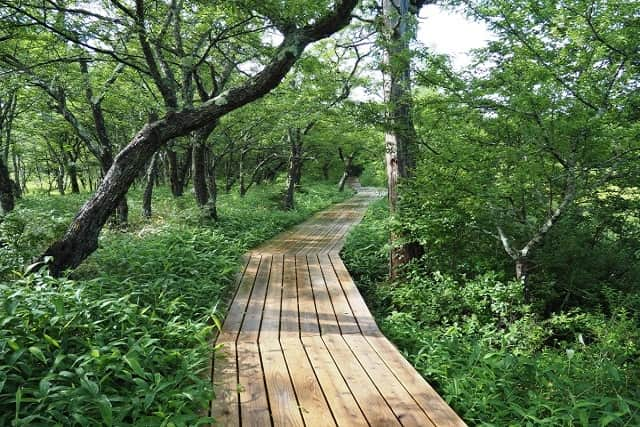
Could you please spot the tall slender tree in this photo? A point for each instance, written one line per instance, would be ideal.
(400, 135)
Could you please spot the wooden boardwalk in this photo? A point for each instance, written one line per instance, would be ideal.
(300, 347)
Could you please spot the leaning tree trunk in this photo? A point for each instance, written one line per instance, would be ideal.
(295, 167)
(147, 196)
(400, 136)
(7, 202)
(81, 238)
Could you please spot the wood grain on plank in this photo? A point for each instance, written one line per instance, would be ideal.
(311, 399)
(224, 408)
(285, 410)
(326, 314)
(375, 408)
(254, 407)
(339, 397)
(270, 328)
(401, 402)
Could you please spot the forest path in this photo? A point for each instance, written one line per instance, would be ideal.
(299, 346)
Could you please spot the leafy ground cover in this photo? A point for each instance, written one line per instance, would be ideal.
(493, 357)
(125, 340)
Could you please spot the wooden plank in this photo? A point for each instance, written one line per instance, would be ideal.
(224, 408)
(306, 303)
(254, 407)
(233, 321)
(429, 400)
(375, 408)
(359, 309)
(346, 320)
(289, 327)
(285, 410)
(324, 308)
(313, 405)
(341, 402)
(270, 328)
(253, 316)
(401, 402)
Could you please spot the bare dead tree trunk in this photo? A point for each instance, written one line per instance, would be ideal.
(147, 196)
(81, 238)
(400, 136)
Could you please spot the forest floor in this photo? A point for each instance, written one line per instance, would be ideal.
(125, 339)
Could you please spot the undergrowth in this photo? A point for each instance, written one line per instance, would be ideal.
(125, 339)
(495, 359)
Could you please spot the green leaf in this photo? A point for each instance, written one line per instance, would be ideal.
(89, 385)
(38, 354)
(18, 402)
(52, 341)
(135, 365)
(106, 410)
(44, 387)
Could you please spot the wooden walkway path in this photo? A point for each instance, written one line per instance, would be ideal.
(299, 346)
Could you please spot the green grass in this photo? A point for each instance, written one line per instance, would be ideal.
(126, 339)
(496, 361)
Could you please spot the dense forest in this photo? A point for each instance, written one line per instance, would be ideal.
(146, 145)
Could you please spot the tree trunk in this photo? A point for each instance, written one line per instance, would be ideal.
(400, 136)
(17, 178)
(199, 160)
(122, 212)
(325, 170)
(348, 163)
(148, 189)
(200, 173)
(60, 180)
(212, 185)
(241, 173)
(73, 178)
(229, 174)
(295, 167)
(7, 202)
(522, 274)
(174, 174)
(81, 238)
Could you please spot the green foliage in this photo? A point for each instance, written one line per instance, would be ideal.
(366, 247)
(127, 340)
(493, 357)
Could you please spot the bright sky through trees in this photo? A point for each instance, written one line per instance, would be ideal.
(450, 32)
